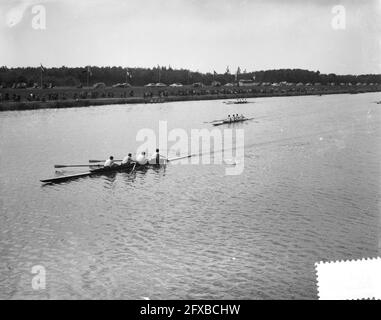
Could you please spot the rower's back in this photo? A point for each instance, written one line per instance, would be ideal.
(141, 159)
(109, 162)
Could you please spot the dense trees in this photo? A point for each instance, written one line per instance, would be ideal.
(65, 76)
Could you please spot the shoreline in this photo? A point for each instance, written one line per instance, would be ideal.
(158, 97)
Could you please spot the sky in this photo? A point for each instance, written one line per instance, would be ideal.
(204, 35)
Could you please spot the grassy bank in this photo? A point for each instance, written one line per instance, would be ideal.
(65, 97)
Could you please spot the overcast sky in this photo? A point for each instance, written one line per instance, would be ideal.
(202, 35)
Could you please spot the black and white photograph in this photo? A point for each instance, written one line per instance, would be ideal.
(190, 150)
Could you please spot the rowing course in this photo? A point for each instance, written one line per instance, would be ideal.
(309, 191)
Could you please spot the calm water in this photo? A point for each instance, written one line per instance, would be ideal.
(310, 191)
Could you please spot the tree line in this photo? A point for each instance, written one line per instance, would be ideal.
(66, 76)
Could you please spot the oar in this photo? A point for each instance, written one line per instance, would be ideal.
(76, 165)
(183, 157)
(101, 160)
(214, 121)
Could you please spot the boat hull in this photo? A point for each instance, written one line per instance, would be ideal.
(99, 171)
(231, 122)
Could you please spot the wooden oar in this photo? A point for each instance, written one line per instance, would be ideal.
(182, 157)
(76, 165)
(213, 121)
(101, 160)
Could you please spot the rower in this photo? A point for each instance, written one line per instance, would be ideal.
(237, 116)
(127, 159)
(156, 157)
(110, 162)
(142, 159)
(229, 119)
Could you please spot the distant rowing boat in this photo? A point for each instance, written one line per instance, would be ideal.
(231, 121)
(239, 101)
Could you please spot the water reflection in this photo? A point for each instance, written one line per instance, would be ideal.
(109, 179)
(129, 177)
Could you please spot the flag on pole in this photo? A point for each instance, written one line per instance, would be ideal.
(42, 70)
(227, 70)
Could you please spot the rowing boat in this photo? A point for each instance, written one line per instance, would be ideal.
(104, 170)
(231, 122)
(99, 171)
(236, 102)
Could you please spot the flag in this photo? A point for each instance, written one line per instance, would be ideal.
(42, 67)
(214, 72)
(227, 70)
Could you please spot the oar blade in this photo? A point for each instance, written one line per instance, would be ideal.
(75, 165)
(182, 157)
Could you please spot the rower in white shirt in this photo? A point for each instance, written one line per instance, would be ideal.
(157, 158)
(127, 159)
(142, 159)
(110, 162)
